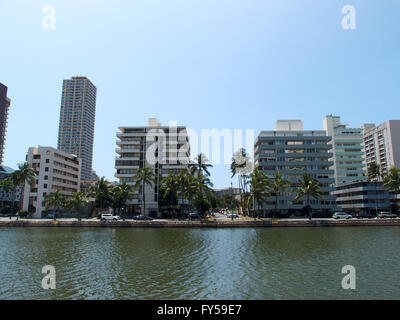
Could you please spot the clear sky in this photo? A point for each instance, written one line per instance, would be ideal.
(235, 64)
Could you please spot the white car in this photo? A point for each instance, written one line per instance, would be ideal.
(342, 215)
(109, 216)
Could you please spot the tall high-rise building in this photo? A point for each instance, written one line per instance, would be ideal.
(4, 106)
(348, 151)
(77, 119)
(164, 149)
(293, 152)
(382, 144)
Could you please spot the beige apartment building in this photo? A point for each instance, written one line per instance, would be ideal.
(56, 170)
(382, 144)
(77, 122)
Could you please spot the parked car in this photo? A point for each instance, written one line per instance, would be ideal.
(385, 214)
(353, 214)
(364, 215)
(109, 216)
(342, 215)
(142, 217)
(193, 215)
(232, 215)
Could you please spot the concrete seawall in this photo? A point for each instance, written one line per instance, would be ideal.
(200, 224)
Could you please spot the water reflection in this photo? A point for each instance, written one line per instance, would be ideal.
(276, 263)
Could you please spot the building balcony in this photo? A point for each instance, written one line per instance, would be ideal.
(349, 153)
(127, 167)
(126, 150)
(128, 158)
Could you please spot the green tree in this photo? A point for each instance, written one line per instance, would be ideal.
(200, 166)
(145, 176)
(77, 203)
(228, 201)
(56, 201)
(391, 182)
(308, 188)
(120, 195)
(277, 186)
(24, 174)
(101, 192)
(374, 172)
(259, 188)
(242, 167)
(190, 188)
(182, 187)
(199, 191)
(169, 187)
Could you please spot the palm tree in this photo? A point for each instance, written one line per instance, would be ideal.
(24, 174)
(259, 185)
(145, 176)
(242, 166)
(182, 187)
(77, 202)
(309, 188)
(55, 200)
(374, 172)
(392, 183)
(199, 165)
(200, 190)
(120, 195)
(277, 186)
(169, 186)
(392, 180)
(190, 188)
(102, 193)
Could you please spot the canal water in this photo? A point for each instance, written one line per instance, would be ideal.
(275, 263)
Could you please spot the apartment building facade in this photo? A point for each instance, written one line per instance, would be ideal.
(77, 121)
(5, 103)
(348, 151)
(382, 144)
(164, 149)
(293, 152)
(363, 197)
(55, 170)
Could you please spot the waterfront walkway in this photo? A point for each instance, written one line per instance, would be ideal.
(226, 223)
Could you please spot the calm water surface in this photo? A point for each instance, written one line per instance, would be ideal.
(288, 263)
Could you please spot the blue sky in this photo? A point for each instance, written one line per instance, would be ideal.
(236, 64)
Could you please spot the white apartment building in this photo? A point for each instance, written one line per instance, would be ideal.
(55, 170)
(382, 144)
(348, 151)
(293, 152)
(165, 149)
